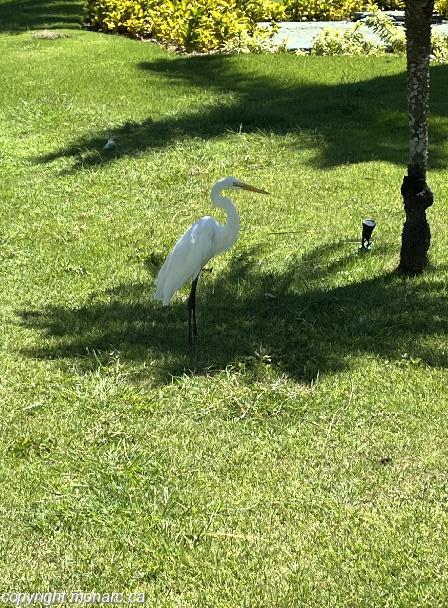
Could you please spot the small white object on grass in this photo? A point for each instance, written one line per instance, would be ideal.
(110, 144)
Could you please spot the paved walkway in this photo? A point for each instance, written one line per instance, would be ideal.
(300, 35)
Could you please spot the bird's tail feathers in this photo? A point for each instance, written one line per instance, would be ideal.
(161, 285)
(162, 296)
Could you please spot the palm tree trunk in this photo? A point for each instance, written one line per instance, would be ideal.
(417, 197)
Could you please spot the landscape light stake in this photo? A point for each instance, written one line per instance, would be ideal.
(368, 226)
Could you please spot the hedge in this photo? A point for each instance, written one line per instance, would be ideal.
(207, 25)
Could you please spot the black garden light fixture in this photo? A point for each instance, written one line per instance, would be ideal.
(368, 226)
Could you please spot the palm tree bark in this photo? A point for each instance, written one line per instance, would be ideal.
(417, 196)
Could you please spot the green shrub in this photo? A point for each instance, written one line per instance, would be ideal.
(392, 36)
(333, 10)
(207, 25)
(120, 16)
(442, 7)
(262, 10)
(439, 50)
(202, 25)
(353, 41)
(331, 41)
(326, 10)
(391, 5)
(258, 42)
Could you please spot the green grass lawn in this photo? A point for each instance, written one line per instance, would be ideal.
(297, 454)
(19, 15)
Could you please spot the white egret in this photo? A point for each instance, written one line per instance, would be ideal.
(201, 242)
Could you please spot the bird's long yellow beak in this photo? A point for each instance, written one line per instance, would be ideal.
(245, 186)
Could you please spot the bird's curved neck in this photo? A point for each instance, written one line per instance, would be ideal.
(232, 227)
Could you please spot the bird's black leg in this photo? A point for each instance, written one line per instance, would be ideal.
(192, 331)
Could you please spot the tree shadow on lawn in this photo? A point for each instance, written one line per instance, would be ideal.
(21, 15)
(297, 320)
(343, 123)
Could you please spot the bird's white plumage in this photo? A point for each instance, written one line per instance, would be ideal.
(202, 241)
(190, 254)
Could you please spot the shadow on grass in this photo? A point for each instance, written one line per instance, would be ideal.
(344, 123)
(297, 319)
(20, 15)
